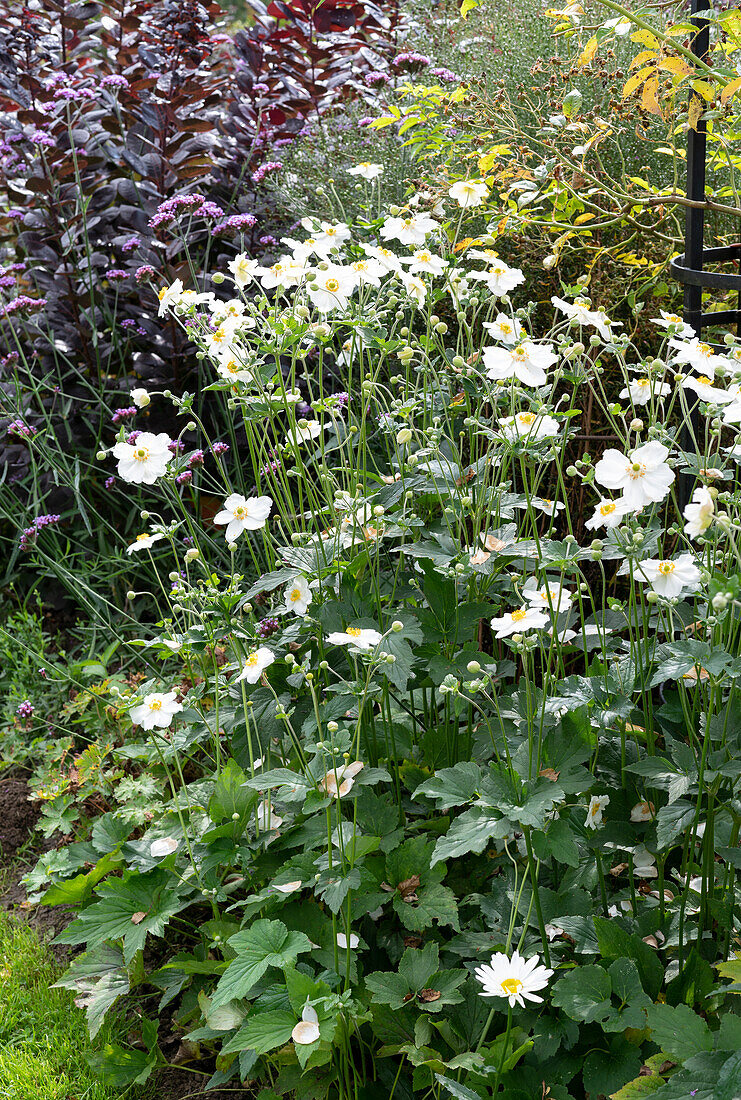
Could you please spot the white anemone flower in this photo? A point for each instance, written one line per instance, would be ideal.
(699, 512)
(550, 597)
(674, 321)
(529, 426)
(332, 287)
(527, 362)
(414, 286)
(368, 272)
(230, 368)
(255, 664)
(266, 816)
(669, 578)
(169, 296)
(516, 979)
(579, 311)
(306, 1030)
(283, 274)
(706, 391)
(643, 475)
(595, 812)
(518, 621)
(240, 514)
(608, 514)
(158, 849)
(499, 278)
(425, 261)
(339, 781)
(469, 193)
(140, 397)
(298, 596)
(143, 542)
(641, 390)
(362, 637)
(385, 257)
(143, 461)
(507, 330)
(410, 230)
(545, 504)
(156, 709)
(367, 170)
(698, 355)
(332, 235)
(243, 269)
(304, 433)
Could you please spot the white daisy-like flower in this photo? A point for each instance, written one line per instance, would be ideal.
(385, 257)
(243, 269)
(140, 397)
(414, 286)
(266, 816)
(366, 170)
(499, 278)
(368, 272)
(595, 812)
(306, 1030)
(529, 426)
(255, 664)
(706, 391)
(143, 542)
(143, 461)
(230, 368)
(304, 433)
(516, 979)
(544, 504)
(424, 260)
(298, 596)
(608, 514)
(410, 230)
(526, 361)
(332, 287)
(698, 355)
(699, 512)
(507, 330)
(641, 390)
(240, 514)
(169, 296)
(579, 311)
(643, 475)
(156, 709)
(551, 597)
(339, 781)
(158, 849)
(469, 193)
(332, 235)
(518, 621)
(671, 320)
(669, 578)
(361, 637)
(283, 274)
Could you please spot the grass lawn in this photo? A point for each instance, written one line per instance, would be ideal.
(43, 1037)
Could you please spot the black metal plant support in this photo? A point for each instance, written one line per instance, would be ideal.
(690, 268)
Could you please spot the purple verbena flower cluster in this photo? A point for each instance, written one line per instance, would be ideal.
(30, 534)
(266, 169)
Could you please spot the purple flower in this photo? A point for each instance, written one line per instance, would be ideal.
(220, 448)
(410, 59)
(175, 446)
(38, 137)
(265, 170)
(132, 437)
(146, 271)
(7, 280)
(234, 224)
(29, 535)
(127, 322)
(71, 94)
(23, 304)
(445, 75)
(260, 87)
(185, 478)
(26, 709)
(196, 459)
(110, 482)
(267, 241)
(365, 121)
(114, 81)
(123, 414)
(131, 244)
(268, 626)
(373, 79)
(18, 427)
(116, 275)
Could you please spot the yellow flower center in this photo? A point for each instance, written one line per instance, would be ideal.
(519, 352)
(667, 567)
(527, 418)
(704, 380)
(505, 327)
(595, 809)
(519, 615)
(642, 382)
(511, 986)
(219, 336)
(424, 257)
(675, 320)
(332, 285)
(142, 538)
(636, 470)
(162, 293)
(155, 704)
(407, 222)
(141, 454)
(705, 349)
(607, 509)
(353, 631)
(240, 512)
(295, 594)
(251, 660)
(232, 367)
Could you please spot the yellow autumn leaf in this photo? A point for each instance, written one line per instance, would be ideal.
(676, 65)
(488, 160)
(588, 52)
(634, 82)
(649, 96)
(730, 90)
(642, 57)
(695, 112)
(644, 38)
(584, 218)
(705, 89)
